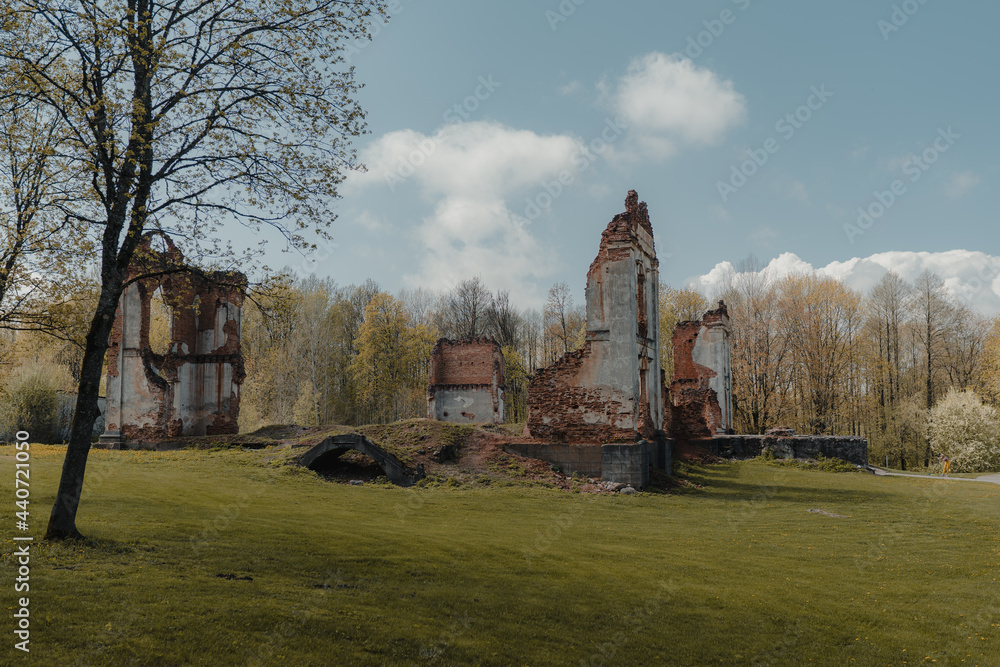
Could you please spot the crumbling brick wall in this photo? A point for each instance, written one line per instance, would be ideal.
(466, 381)
(700, 393)
(192, 389)
(609, 390)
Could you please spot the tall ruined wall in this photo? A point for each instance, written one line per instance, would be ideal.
(192, 389)
(466, 381)
(610, 389)
(700, 401)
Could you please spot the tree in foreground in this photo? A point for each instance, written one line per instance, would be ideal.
(189, 117)
(966, 431)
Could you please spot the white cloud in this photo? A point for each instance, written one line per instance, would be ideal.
(570, 88)
(971, 276)
(719, 211)
(599, 190)
(370, 221)
(897, 163)
(961, 184)
(668, 100)
(476, 176)
(764, 234)
(477, 159)
(793, 189)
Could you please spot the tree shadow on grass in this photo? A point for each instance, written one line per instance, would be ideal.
(725, 482)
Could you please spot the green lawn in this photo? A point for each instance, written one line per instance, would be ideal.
(314, 573)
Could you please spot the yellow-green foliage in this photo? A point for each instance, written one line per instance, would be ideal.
(29, 401)
(391, 356)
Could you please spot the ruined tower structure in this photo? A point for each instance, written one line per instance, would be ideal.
(609, 390)
(701, 392)
(466, 381)
(194, 388)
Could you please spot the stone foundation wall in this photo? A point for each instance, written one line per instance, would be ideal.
(584, 459)
(853, 449)
(626, 464)
(464, 405)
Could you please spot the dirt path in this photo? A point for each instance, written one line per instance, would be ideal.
(993, 479)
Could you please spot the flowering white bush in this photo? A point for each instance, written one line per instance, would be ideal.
(966, 431)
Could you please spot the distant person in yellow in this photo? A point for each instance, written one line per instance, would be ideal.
(945, 464)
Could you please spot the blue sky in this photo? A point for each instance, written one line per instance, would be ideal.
(747, 126)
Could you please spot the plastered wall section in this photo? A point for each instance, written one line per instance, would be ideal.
(609, 390)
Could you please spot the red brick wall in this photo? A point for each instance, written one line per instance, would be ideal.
(466, 362)
(693, 404)
(558, 404)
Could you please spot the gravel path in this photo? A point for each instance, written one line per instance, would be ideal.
(993, 479)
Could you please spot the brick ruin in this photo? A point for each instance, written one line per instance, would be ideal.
(701, 391)
(466, 381)
(701, 402)
(192, 389)
(609, 390)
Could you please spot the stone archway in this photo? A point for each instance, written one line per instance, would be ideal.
(332, 447)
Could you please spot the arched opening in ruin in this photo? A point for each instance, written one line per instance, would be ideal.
(161, 319)
(345, 464)
(323, 458)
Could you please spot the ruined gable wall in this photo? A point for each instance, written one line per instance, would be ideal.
(694, 406)
(205, 363)
(609, 390)
(700, 391)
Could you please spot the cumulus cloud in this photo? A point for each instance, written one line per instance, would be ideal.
(668, 100)
(970, 276)
(791, 188)
(570, 88)
(476, 175)
(961, 184)
(764, 234)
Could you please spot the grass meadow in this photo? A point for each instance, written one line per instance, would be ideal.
(219, 558)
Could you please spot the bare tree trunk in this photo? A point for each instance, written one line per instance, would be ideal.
(62, 521)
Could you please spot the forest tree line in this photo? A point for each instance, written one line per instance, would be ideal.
(808, 352)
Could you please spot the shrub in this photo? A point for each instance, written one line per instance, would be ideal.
(965, 430)
(31, 403)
